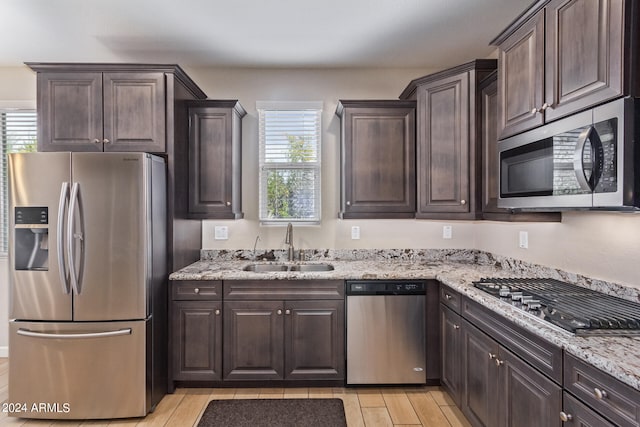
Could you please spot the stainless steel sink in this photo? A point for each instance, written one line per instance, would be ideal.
(311, 267)
(265, 268)
(269, 268)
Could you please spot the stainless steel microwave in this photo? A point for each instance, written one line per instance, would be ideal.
(589, 160)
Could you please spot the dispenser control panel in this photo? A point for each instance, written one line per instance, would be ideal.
(32, 215)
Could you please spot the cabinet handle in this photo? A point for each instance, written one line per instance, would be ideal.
(564, 417)
(463, 202)
(600, 394)
(217, 312)
(106, 141)
(279, 312)
(228, 203)
(534, 111)
(447, 296)
(492, 356)
(196, 291)
(456, 326)
(499, 362)
(96, 141)
(348, 203)
(287, 312)
(545, 106)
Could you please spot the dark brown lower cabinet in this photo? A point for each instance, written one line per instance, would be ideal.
(196, 331)
(450, 333)
(499, 389)
(578, 414)
(284, 340)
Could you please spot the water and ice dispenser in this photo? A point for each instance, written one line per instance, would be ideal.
(31, 242)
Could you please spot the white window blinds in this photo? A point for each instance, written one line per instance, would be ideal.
(290, 140)
(18, 133)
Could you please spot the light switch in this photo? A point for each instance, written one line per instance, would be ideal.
(221, 232)
(355, 232)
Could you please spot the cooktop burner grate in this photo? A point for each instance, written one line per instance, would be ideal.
(574, 308)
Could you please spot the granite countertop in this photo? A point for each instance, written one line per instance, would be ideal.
(618, 356)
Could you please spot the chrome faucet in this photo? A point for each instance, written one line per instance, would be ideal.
(288, 240)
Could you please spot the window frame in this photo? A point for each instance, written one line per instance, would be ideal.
(8, 107)
(265, 166)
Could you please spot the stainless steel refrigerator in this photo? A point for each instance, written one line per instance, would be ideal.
(88, 282)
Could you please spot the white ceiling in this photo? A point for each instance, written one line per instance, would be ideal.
(254, 33)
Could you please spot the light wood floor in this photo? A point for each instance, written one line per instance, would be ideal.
(370, 407)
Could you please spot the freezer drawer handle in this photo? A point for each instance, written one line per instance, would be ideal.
(119, 332)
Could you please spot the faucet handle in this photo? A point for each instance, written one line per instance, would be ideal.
(301, 255)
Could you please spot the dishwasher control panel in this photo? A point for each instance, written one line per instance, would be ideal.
(386, 287)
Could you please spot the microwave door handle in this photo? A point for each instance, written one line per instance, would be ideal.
(63, 269)
(597, 153)
(578, 163)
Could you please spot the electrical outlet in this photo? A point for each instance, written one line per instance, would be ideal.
(355, 232)
(523, 240)
(221, 232)
(447, 232)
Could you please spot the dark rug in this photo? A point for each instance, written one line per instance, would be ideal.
(274, 413)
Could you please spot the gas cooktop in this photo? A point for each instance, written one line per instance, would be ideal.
(573, 308)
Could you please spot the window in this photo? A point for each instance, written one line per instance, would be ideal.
(289, 138)
(17, 134)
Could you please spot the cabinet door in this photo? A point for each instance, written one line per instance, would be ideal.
(443, 147)
(314, 340)
(526, 398)
(480, 377)
(253, 340)
(134, 112)
(379, 162)
(197, 340)
(451, 374)
(69, 111)
(490, 163)
(210, 162)
(580, 415)
(584, 54)
(521, 78)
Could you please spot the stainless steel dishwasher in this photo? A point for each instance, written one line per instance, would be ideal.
(386, 332)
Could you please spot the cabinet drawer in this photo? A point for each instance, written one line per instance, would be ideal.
(602, 392)
(196, 290)
(536, 351)
(450, 298)
(580, 414)
(283, 289)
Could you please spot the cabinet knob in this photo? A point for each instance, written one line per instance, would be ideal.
(564, 417)
(456, 327)
(534, 111)
(287, 312)
(217, 312)
(447, 296)
(492, 356)
(196, 291)
(96, 141)
(228, 203)
(463, 202)
(545, 106)
(600, 394)
(106, 141)
(499, 362)
(348, 203)
(279, 312)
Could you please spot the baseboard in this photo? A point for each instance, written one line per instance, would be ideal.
(4, 351)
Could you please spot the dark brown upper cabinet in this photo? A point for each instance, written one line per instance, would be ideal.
(448, 133)
(215, 159)
(490, 166)
(82, 110)
(563, 56)
(378, 159)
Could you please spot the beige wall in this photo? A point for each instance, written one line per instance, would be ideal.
(602, 245)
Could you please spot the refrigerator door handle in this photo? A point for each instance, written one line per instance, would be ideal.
(117, 333)
(63, 269)
(75, 205)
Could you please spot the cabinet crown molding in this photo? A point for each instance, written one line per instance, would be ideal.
(98, 67)
(486, 65)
